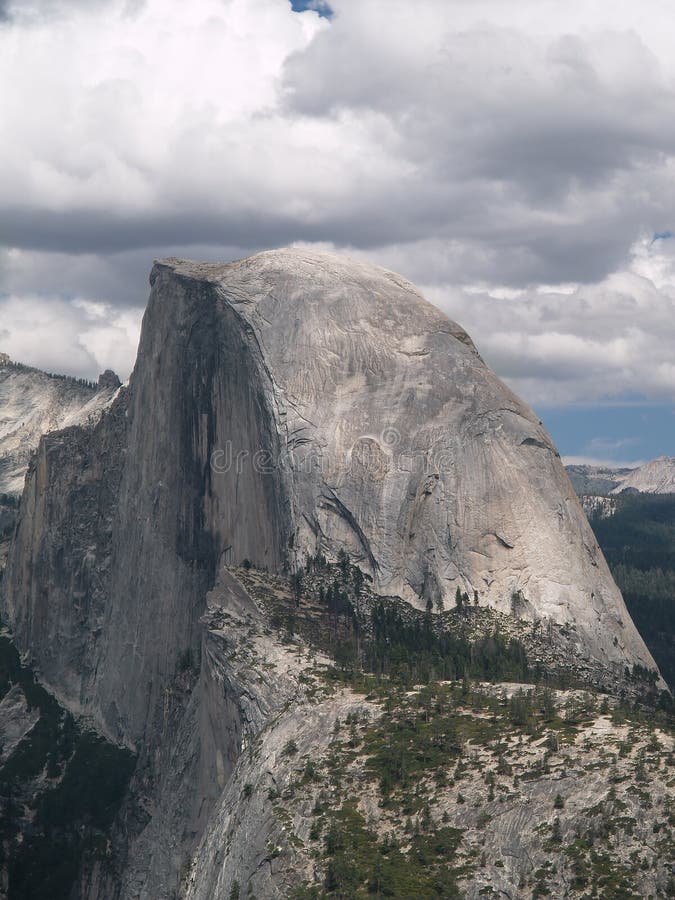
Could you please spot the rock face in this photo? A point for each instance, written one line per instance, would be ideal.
(389, 436)
(595, 481)
(655, 477)
(280, 405)
(109, 380)
(512, 835)
(32, 403)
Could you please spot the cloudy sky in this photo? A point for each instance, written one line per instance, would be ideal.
(514, 158)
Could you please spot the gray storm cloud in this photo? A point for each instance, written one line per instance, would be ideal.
(486, 150)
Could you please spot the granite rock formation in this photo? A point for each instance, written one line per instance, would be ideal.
(291, 402)
(33, 403)
(281, 405)
(654, 477)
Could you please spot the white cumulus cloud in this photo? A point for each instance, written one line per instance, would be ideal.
(514, 160)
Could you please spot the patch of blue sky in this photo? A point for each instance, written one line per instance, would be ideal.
(319, 6)
(632, 431)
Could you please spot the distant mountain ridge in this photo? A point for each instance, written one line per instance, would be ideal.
(33, 403)
(654, 477)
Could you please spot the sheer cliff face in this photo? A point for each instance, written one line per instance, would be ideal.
(396, 442)
(122, 527)
(286, 403)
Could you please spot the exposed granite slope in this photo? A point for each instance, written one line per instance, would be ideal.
(655, 477)
(280, 405)
(33, 403)
(284, 403)
(394, 440)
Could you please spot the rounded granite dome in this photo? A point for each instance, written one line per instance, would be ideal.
(281, 405)
(393, 440)
(304, 274)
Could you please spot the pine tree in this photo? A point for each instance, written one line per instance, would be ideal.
(343, 563)
(298, 583)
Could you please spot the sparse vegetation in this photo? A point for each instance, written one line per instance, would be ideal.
(360, 865)
(447, 753)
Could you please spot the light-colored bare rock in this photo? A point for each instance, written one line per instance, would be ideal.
(654, 477)
(291, 402)
(281, 404)
(33, 403)
(393, 440)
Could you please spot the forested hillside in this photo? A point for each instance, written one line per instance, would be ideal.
(639, 544)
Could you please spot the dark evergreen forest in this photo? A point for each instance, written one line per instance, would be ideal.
(639, 544)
